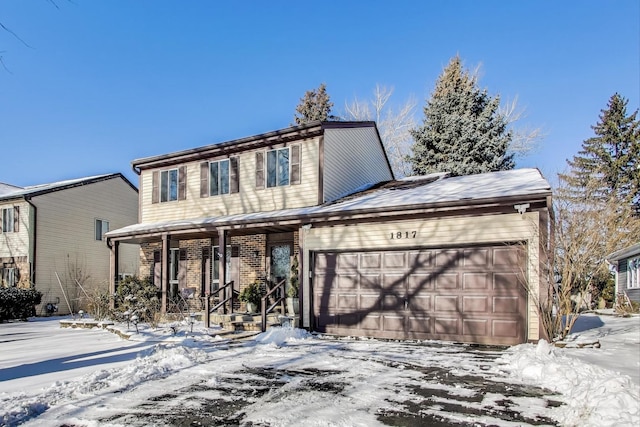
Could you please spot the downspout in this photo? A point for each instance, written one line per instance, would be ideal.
(35, 233)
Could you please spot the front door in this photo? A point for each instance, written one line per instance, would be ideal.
(279, 262)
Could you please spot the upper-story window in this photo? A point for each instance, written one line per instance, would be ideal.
(219, 177)
(633, 273)
(10, 220)
(282, 167)
(169, 185)
(102, 227)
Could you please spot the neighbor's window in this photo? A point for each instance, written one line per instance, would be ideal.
(9, 277)
(102, 227)
(10, 220)
(633, 273)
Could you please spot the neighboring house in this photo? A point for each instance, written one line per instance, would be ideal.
(52, 237)
(626, 265)
(427, 257)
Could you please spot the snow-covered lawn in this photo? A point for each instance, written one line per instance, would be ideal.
(52, 376)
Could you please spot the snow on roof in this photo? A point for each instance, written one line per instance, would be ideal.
(395, 195)
(11, 192)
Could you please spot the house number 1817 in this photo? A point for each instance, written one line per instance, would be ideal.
(403, 234)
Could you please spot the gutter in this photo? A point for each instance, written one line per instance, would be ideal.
(35, 239)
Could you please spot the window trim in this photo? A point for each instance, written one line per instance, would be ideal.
(633, 273)
(274, 156)
(158, 187)
(100, 237)
(232, 179)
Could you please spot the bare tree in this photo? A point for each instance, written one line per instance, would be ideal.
(393, 125)
(524, 139)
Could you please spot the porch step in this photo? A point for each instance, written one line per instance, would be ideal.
(243, 321)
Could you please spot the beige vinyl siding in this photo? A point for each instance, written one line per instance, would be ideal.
(433, 233)
(352, 159)
(66, 237)
(15, 244)
(247, 200)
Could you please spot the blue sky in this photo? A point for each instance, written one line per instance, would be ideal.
(104, 82)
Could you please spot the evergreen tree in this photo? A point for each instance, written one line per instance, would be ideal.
(315, 105)
(463, 132)
(608, 162)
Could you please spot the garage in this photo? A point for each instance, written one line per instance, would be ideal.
(470, 294)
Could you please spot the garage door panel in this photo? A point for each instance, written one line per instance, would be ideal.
(505, 328)
(446, 325)
(447, 281)
(420, 303)
(475, 281)
(506, 305)
(371, 281)
(506, 282)
(393, 323)
(370, 260)
(477, 327)
(446, 303)
(419, 260)
(370, 302)
(348, 302)
(476, 257)
(347, 262)
(420, 282)
(395, 260)
(469, 294)
(475, 304)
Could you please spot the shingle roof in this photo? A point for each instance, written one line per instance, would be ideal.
(8, 191)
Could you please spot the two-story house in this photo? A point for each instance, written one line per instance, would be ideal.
(52, 236)
(433, 257)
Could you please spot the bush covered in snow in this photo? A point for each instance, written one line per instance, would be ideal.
(18, 303)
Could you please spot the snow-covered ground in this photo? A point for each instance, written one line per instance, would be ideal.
(52, 376)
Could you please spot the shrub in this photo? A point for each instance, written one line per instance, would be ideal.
(252, 293)
(139, 297)
(18, 303)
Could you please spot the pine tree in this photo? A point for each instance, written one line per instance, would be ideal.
(608, 163)
(315, 105)
(463, 132)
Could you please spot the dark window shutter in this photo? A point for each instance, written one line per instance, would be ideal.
(155, 191)
(206, 270)
(234, 175)
(182, 268)
(16, 218)
(260, 170)
(182, 183)
(157, 269)
(295, 164)
(204, 179)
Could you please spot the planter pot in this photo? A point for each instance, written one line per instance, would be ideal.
(251, 307)
(293, 306)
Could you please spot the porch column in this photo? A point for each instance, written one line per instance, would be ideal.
(113, 269)
(164, 282)
(222, 268)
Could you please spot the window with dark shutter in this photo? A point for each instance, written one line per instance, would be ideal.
(259, 170)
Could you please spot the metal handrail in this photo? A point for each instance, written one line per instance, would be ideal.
(223, 302)
(279, 299)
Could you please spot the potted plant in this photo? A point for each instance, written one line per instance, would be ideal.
(251, 295)
(293, 306)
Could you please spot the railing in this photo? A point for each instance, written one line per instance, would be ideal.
(222, 302)
(279, 298)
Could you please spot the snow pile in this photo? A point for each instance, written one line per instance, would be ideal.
(279, 336)
(157, 363)
(594, 396)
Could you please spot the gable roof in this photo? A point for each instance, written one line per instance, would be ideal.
(10, 192)
(627, 252)
(435, 191)
(293, 133)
